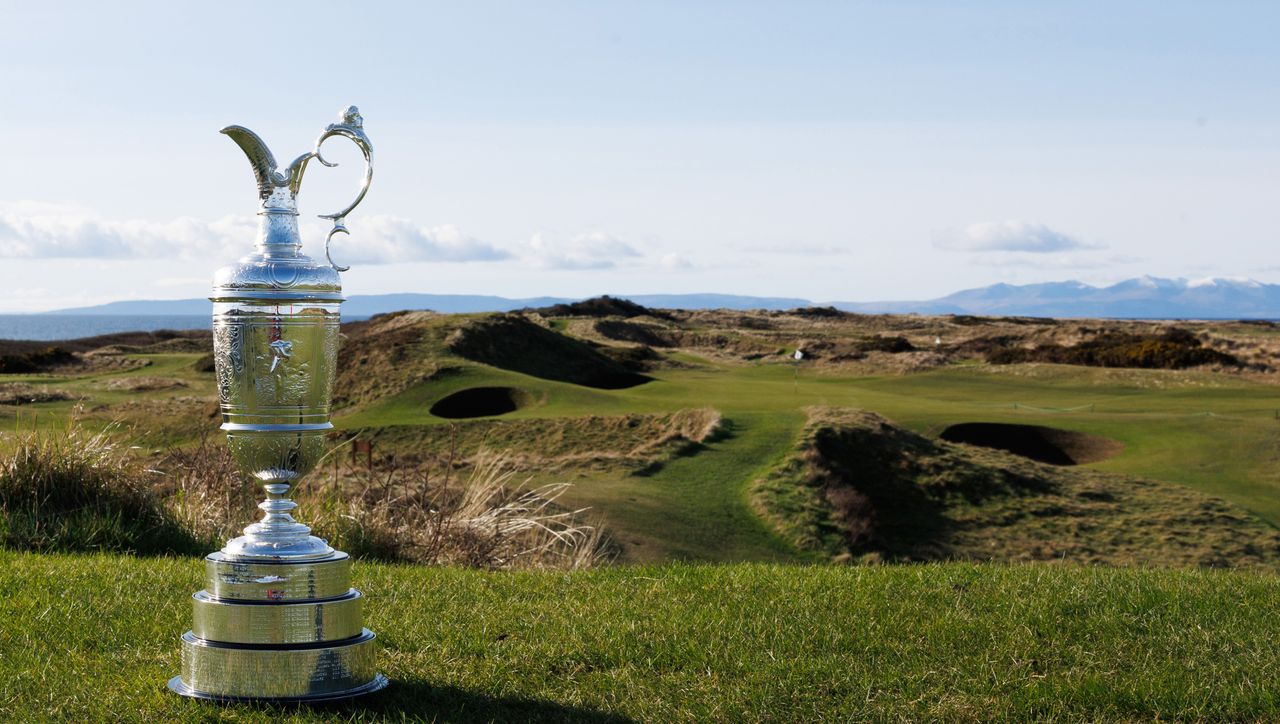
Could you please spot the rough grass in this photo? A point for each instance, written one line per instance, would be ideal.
(857, 485)
(94, 638)
(76, 490)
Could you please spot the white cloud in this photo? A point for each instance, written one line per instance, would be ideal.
(675, 261)
(1009, 236)
(593, 250)
(36, 230)
(385, 239)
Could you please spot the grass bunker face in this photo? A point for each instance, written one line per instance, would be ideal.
(1043, 444)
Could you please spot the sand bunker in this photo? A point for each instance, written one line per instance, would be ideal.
(481, 402)
(1044, 444)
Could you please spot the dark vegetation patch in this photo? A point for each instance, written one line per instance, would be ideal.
(1043, 444)
(204, 363)
(819, 313)
(604, 306)
(38, 360)
(512, 342)
(857, 486)
(481, 402)
(890, 344)
(971, 320)
(1174, 349)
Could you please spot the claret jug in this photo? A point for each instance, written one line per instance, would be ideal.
(278, 620)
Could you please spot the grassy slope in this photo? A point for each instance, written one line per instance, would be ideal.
(95, 637)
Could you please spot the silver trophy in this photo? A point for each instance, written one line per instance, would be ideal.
(278, 619)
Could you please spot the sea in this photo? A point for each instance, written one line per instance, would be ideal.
(75, 326)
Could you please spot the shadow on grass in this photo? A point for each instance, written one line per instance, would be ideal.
(417, 699)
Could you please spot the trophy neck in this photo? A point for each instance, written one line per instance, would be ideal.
(278, 232)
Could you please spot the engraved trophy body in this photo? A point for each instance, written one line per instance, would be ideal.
(278, 619)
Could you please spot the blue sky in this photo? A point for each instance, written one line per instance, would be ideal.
(835, 151)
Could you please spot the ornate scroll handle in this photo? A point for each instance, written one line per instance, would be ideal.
(352, 127)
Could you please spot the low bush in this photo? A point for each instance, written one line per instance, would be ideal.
(35, 360)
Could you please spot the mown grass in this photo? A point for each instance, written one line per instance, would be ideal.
(94, 637)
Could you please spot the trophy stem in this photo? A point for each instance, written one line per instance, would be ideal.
(277, 520)
(278, 535)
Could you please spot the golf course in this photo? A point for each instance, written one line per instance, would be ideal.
(1073, 541)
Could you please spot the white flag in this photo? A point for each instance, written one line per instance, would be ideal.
(798, 355)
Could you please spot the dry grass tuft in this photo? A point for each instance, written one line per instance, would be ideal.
(73, 489)
(416, 513)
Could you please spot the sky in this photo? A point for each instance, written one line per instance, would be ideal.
(850, 151)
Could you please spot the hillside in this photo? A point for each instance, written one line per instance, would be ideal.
(686, 643)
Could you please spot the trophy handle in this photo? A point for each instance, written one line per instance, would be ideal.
(352, 127)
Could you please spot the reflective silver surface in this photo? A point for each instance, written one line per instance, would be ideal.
(302, 622)
(229, 579)
(278, 620)
(240, 672)
(275, 340)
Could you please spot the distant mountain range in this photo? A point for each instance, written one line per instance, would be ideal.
(1142, 298)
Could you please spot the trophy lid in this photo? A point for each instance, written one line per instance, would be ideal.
(277, 270)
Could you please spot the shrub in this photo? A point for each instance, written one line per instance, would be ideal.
(35, 361)
(1172, 350)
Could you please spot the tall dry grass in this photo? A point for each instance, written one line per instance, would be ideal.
(395, 511)
(75, 489)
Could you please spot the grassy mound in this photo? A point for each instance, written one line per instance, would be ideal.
(78, 491)
(651, 335)
(603, 306)
(513, 342)
(385, 355)
(953, 642)
(1043, 444)
(858, 485)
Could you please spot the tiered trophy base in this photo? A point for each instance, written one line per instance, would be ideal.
(277, 631)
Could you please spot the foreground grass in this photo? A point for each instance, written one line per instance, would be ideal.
(95, 637)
